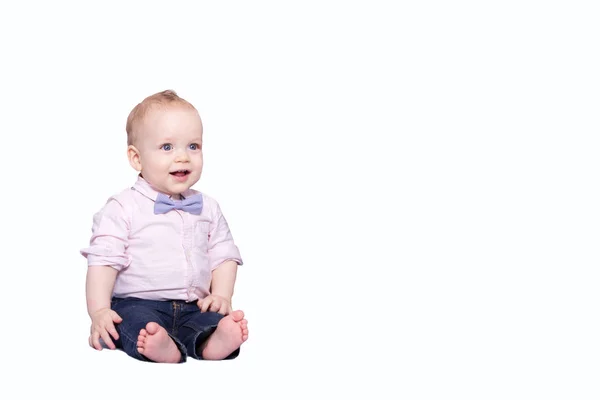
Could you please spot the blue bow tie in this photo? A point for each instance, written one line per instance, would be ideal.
(192, 204)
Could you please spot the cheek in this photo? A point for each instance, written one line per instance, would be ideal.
(157, 163)
(197, 159)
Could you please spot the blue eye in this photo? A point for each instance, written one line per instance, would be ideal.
(194, 146)
(166, 147)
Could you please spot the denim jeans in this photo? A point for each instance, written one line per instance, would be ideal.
(185, 324)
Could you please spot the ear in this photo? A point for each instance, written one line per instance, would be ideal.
(133, 155)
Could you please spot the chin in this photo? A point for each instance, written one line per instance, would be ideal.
(192, 181)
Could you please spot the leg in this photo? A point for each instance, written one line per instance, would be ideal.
(155, 344)
(225, 342)
(210, 335)
(142, 334)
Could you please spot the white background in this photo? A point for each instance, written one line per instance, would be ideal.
(413, 187)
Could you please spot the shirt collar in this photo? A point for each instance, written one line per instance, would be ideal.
(145, 188)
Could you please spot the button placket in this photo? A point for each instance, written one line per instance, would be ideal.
(188, 228)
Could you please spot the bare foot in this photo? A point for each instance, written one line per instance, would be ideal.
(154, 343)
(231, 332)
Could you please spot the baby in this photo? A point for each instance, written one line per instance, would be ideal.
(162, 262)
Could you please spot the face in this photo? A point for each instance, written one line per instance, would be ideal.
(168, 149)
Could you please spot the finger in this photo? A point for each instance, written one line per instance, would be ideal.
(106, 338)
(216, 305)
(113, 331)
(223, 309)
(95, 342)
(206, 304)
(116, 318)
(90, 341)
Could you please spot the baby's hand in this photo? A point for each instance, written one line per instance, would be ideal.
(102, 324)
(215, 303)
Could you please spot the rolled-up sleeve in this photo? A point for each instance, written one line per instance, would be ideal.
(110, 231)
(221, 246)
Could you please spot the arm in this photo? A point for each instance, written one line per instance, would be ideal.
(223, 280)
(99, 284)
(221, 289)
(224, 258)
(106, 256)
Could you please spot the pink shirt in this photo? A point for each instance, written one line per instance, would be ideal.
(167, 256)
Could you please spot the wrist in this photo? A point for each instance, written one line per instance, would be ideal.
(224, 296)
(95, 309)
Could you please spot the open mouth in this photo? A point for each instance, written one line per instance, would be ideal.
(181, 172)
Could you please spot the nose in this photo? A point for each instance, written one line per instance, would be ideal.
(182, 156)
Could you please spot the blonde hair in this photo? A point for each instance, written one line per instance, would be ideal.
(160, 99)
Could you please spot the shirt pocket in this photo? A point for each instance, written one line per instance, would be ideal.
(201, 235)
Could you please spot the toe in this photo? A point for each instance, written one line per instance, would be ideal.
(237, 315)
(140, 350)
(152, 328)
(143, 332)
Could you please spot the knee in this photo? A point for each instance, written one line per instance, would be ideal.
(203, 321)
(211, 318)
